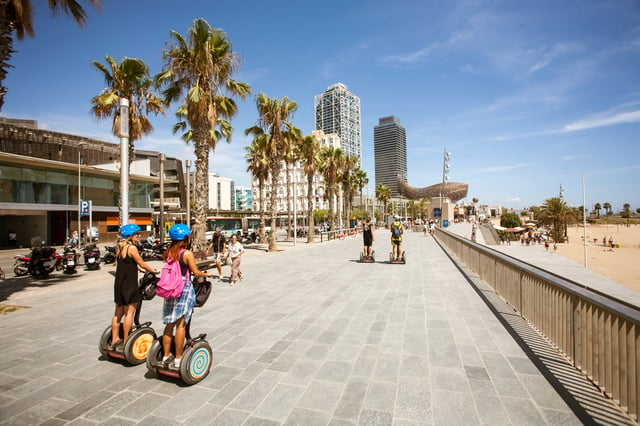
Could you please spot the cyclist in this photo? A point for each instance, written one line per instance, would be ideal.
(396, 237)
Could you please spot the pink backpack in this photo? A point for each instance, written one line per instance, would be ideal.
(171, 280)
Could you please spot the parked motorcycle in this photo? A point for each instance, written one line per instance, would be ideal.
(70, 259)
(110, 255)
(92, 257)
(39, 263)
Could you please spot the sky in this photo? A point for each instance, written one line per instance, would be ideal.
(528, 97)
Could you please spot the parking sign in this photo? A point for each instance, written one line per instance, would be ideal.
(85, 208)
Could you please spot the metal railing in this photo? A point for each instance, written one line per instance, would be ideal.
(599, 335)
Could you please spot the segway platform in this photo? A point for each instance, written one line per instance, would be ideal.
(367, 259)
(400, 260)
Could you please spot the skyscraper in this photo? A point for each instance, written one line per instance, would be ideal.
(390, 153)
(338, 111)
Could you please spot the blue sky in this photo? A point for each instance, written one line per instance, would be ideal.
(527, 96)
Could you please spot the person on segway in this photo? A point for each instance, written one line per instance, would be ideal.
(367, 236)
(176, 312)
(396, 237)
(125, 287)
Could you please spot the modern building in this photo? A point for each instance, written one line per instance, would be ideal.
(243, 199)
(222, 193)
(337, 111)
(53, 163)
(390, 153)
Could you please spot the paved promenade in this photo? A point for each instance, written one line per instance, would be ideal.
(309, 337)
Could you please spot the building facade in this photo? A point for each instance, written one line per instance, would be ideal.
(390, 153)
(243, 200)
(337, 111)
(222, 193)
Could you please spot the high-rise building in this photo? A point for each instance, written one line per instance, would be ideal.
(338, 111)
(390, 153)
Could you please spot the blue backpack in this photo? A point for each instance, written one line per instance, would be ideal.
(395, 230)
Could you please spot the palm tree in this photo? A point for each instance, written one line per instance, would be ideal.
(626, 211)
(556, 213)
(308, 151)
(17, 15)
(258, 165)
(129, 80)
(198, 72)
(597, 208)
(290, 141)
(274, 124)
(331, 165)
(383, 193)
(349, 165)
(360, 180)
(607, 208)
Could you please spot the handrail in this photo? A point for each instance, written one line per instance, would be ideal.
(600, 335)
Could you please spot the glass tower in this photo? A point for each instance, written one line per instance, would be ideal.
(338, 111)
(390, 153)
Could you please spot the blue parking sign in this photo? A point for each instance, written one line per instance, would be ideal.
(84, 208)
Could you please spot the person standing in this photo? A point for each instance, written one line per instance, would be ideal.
(176, 312)
(396, 237)
(235, 250)
(219, 245)
(367, 236)
(125, 289)
(13, 238)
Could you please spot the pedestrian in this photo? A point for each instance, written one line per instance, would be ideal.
(13, 238)
(367, 236)
(176, 312)
(546, 245)
(555, 246)
(611, 242)
(219, 245)
(125, 289)
(235, 250)
(604, 241)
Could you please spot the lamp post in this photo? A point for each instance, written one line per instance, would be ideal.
(124, 161)
(80, 145)
(445, 178)
(188, 192)
(162, 160)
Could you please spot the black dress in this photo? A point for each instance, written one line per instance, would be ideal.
(125, 288)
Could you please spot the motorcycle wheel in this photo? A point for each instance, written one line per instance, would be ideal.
(20, 272)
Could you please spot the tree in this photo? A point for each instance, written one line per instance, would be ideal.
(308, 151)
(510, 220)
(626, 211)
(129, 80)
(597, 208)
(383, 194)
(557, 214)
(16, 18)
(289, 155)
(360, 179)
(349, 187)
(607, 208)
(331, 165)
(258, 166)
(198, 73)
(273, 123)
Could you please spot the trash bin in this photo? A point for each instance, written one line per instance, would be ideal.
(445, 223)
(617, 245)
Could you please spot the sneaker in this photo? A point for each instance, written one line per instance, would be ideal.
(233, 283)
(166, 359)
(176, 362)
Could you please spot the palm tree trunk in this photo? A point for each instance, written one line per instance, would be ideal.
(262, 210)
(311, 226)
(275, 172)
(198, 242)
(286, 166)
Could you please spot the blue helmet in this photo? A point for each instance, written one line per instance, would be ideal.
(129, 230)
(179, 232)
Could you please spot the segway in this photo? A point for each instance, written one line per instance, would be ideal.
(400, 260)
(367, 259)
(136, 348)
(197, 355)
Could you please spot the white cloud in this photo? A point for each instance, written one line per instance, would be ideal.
(620, 118)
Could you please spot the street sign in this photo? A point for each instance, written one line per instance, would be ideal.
(85, 208)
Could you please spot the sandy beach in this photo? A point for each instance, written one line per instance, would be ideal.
(619, 264)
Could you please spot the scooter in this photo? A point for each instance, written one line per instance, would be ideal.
(39, 263)
(367, 259)
(21, 264)
(136, 348)
(397, 260)
(69, 259)
(110, 255)
(197, 356)
(92, 257)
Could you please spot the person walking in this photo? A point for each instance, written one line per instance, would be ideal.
(367, 236)
(219, 245)
(235, 250)
(125, 289)
(176, 312)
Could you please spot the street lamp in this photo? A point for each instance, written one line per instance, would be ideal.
(445, 178)
(124, 161)
(188, 192)
(80, 145)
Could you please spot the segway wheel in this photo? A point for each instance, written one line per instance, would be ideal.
(391, 257)
(361, 257)
(105, 339)
(137, 346)
(154, 357)
(196, 362)
(404, 259)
